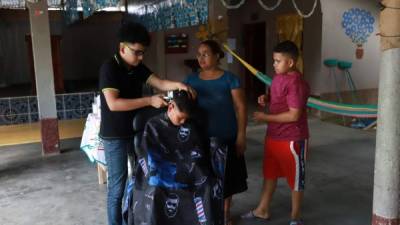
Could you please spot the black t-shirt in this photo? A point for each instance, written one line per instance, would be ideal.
(115, 75)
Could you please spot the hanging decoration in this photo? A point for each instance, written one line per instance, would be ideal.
(71, 13)
(358, 25)
(271, 8)
(211, 31)
(264, 6)
(203, 33)
(226, 5)
(71, 8)
(12, 4)
(172, 14)
(301, 13)
(88, 7)
(21, 4)
(54, 3)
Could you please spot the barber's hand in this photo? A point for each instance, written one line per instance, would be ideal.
(192, 92)
(240, 145)
(157, 101)
(262, 100)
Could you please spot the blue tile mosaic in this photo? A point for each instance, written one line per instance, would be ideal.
(72, 101)
(34, 117)
(85, 112)
(10, 118)
(87, 100)
(33, 105)
(60, 102)
(2, 120)
(77, 113)
(25, 109)
(60, 115)
(13, 111)
(21, 118)
(69, 115)
(4, 106)
(19, 105)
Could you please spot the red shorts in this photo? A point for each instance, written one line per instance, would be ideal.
(285, 159)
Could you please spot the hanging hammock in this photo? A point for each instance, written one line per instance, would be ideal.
(352, 110)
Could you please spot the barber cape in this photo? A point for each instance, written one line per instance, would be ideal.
(178, 177)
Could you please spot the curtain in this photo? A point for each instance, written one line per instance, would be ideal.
(290, 27)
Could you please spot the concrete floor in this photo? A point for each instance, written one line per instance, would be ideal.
(63, 189)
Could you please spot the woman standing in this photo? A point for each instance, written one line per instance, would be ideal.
(219, 94)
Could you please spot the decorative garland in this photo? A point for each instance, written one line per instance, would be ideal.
(301, 13)
(267, 7)
(270, 8)
(232, 6)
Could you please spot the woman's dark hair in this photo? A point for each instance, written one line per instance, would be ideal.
(133, 32)
(184, 102)
(215, 48)
(289, 48)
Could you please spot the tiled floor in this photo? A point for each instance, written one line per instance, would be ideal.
(63, 189)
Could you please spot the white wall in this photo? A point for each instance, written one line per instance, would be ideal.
(174, 67)
(311, 36)
(324, 38)
(335, 44)
(176, 70)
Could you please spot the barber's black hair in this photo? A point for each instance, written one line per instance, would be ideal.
(133, 32)
(184, 102)
(215, 47)
(289, 48)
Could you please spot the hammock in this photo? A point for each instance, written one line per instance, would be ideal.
(352, 110)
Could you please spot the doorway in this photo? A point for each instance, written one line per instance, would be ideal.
(255, 52)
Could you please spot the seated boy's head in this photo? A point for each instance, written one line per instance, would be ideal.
(285, 57)
(180, 107)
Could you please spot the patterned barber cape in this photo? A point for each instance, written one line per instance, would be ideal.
(179, 177)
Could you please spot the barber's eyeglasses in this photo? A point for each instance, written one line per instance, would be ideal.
(134, 51)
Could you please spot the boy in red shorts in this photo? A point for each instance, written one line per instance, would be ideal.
(287, 132)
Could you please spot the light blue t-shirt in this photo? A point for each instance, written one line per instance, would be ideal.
(215, 98)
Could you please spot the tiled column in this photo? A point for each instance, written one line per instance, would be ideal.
(40, 32)
(386, 201)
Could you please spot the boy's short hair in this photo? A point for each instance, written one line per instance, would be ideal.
(287, 47)
(184, 102)
(133, 32)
